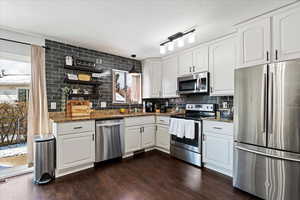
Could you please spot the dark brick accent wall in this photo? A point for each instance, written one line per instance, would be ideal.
(55, 59)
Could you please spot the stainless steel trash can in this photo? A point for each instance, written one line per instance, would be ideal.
(44, 159)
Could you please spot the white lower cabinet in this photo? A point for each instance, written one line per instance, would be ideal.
(139, 136)
(218, 146)
(75, 149)
(133, 138)
(148, 136)
(75, 146)
(163, 138)
(148, 133)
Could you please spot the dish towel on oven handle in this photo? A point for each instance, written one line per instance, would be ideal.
(189, 129)
(177, 127)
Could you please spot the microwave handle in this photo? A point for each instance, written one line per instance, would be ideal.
(197, 84)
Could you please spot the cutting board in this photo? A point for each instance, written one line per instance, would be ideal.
(78, 108)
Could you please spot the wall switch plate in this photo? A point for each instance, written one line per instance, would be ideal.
(103, 104)
(53, 105)
(91, 104)
(225, 104)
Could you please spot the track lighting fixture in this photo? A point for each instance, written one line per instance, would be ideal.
(177, 38)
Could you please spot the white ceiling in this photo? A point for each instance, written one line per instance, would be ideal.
(124, 27)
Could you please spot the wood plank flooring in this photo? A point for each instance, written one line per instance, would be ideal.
(150, 176)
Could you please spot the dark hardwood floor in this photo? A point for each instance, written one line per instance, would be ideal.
(152, 175)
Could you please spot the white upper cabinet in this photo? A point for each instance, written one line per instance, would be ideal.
(147, 83)
(194, 60)
(186, 63)
(286, 34)
(152, 78)
(254, 43)
(200, 59)
(156, 79)
(169, 81)
(222, 55)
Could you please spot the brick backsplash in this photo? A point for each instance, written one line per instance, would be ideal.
(55, 59)
(183, 100)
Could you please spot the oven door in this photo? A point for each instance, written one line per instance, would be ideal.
(194, 145)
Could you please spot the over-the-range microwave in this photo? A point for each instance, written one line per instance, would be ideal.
(194, 83)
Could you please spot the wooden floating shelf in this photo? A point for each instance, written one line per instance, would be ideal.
(83, 69)
(82, 82)
(84, 95)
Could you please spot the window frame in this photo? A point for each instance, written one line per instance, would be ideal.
(127, 98)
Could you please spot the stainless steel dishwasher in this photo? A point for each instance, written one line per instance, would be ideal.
(109, 139)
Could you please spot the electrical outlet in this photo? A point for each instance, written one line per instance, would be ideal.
(103, 104)
(53, 105)
(99, 61)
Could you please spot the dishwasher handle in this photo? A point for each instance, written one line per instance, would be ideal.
(111, 124)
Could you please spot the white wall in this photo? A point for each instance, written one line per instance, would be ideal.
(15, 51)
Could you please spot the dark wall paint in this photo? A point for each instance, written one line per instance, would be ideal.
(55, 72)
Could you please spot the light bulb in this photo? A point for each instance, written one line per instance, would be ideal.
(192, 37)
(162, 49)
(171, 46)
(180, 42)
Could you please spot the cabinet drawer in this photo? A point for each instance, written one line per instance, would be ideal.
(75, 127)
(218, 127)
(136, 121)
(163, 120)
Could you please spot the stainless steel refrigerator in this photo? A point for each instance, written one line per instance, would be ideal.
(267, 130)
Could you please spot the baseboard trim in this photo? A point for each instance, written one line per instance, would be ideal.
(162, 150)
(131, 154)
(63, 172)
(219, 170)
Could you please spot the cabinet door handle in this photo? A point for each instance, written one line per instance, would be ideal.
(267, 55)
(194, 68)
(190, 69)
(211, 89)
(276, 54)
(203, 138)
(218, 128)
(78, 127)
(93, 137)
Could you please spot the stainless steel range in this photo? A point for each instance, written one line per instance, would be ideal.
(190, 150)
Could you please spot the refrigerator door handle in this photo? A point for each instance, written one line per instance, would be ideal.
(289, 158)
(265, 102)
(271, 102)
